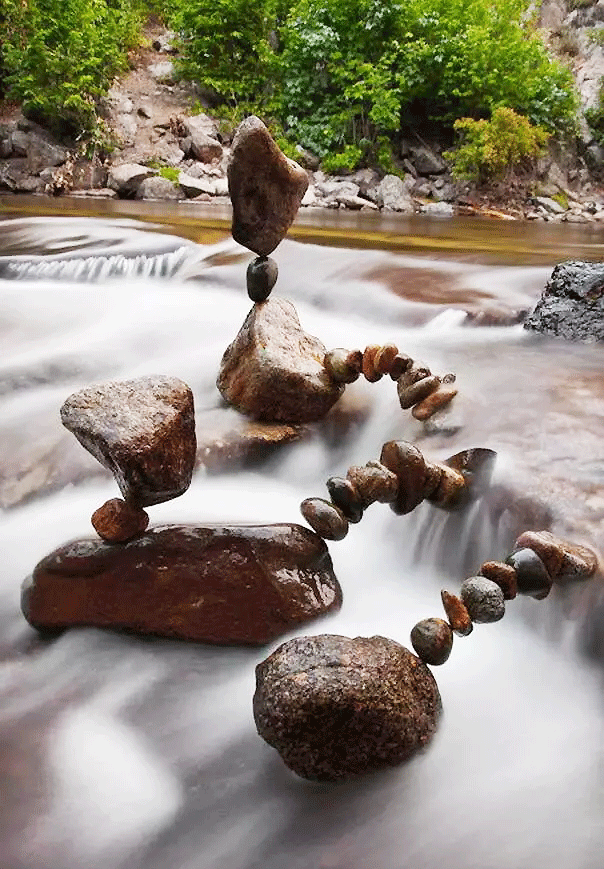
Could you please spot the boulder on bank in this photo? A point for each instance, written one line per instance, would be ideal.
(572, 304)
(274, 371)
(214, 584)
(336, 707)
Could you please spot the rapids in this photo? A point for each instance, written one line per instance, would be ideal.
(125, 753)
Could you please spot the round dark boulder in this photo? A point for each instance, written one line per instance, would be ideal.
(336, 707)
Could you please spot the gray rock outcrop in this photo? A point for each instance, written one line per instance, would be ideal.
(572, 304)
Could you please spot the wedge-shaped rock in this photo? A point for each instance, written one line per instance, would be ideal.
(274, 371)
(265, 186)
(143, 430)
(215, 584)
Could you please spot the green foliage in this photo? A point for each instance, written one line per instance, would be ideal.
(170, 172)
(493, 148)
(342, 76)
(58, 57)
(595, 116)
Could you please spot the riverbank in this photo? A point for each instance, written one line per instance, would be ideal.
(163, 151)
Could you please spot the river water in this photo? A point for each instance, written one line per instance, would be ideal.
(126, 752)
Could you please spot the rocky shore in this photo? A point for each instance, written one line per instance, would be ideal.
(163, 151)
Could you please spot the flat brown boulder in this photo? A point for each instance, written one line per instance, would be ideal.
(336, 707)
(273, 370)
(215, 584)
(265, 186)
(142, 430)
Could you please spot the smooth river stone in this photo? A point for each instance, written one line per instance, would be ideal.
(142, 430)
(215, 584)
(335, 707)
(273, 370)
(265, 187)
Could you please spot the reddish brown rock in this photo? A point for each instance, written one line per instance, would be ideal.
(385, 357)
(336, 707)
(457, 613)
(325, 518)
(214, 584)
(432, 479)
(374, 482)
(273, 370)
(504, 575)
(400, 364)
(142, 430)
(116, 521)
(343, 366)
(476, 466)
(432, 640)
(433, 403)
(265, 187)
(370, 372)
(406, 461)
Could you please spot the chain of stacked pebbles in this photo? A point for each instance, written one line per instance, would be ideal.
(403, 479)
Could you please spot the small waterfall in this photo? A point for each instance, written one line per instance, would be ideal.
(96, 268)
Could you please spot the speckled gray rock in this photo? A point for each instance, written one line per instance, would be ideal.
(142, 430)
(273, 370)
(336, 707)
(483, 599)
(265, 186)
(432, 639)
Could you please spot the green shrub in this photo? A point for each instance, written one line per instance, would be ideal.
(490, 149)
(59, 56)
(343, 75)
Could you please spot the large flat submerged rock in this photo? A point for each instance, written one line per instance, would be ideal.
(243, 584)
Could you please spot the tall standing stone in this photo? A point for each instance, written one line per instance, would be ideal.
(265, 187)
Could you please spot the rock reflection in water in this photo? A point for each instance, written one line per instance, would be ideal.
(122, 752)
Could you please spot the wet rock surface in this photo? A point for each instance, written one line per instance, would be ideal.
(266, 188)
(142, 430)
(336, 707)
(432, 639)
(274, 370)
(117, 521)
(214, 584)
(572, 304)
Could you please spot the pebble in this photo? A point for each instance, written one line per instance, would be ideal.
(416, 392)
(407, 463)
(341, 367)
(457, 613)
(385, 357)
(436, 401)
(373, 482)
(265, 187)
(431, 483)
(483, 599)
(579, 562)
(448, 378)
(400, 364)
(432, 639)
(532, 577)
(261, 277)
(451, 489)
(346, 498)
(117, 522)
(324, 518)
(502, 574)
(369, 369)
(413, 373)
(549, 549)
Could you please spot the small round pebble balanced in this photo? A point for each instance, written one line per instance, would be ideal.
(261, 277)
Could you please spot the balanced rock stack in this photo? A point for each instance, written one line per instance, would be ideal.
(403, 479)
(217, 584)
(143, 431)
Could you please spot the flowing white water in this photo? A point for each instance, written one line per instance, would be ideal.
(126, 753)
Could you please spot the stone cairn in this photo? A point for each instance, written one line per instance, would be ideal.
(332, 706)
